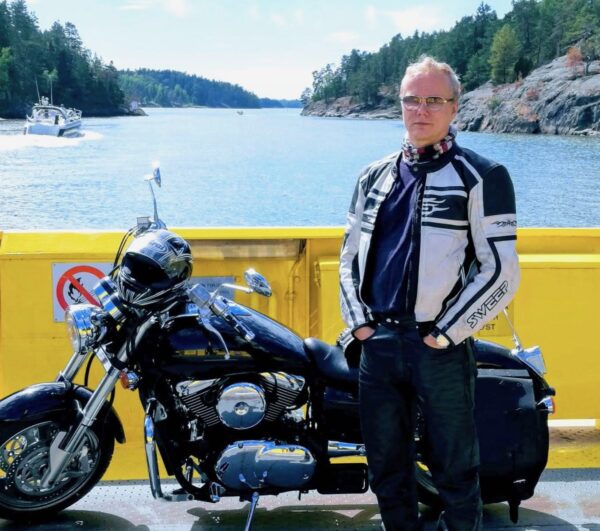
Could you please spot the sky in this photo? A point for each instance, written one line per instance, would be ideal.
(270, 47)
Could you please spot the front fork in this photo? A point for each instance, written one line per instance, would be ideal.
(66, 444)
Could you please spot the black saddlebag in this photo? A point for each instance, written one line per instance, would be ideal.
(513, 435)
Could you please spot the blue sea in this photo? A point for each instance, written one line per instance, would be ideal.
(259, 168)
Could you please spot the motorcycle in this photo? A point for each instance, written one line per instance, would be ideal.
(236, 403)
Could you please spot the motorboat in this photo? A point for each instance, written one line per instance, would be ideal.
(49, 119)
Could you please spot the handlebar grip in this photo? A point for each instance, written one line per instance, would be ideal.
(238, 326)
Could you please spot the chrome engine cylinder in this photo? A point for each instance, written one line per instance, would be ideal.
(260, 464)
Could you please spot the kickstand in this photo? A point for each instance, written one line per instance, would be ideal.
(513, 509)
(253, 504)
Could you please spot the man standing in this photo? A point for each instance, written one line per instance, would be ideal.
(428, 258)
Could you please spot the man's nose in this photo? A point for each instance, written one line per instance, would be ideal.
(422, 108)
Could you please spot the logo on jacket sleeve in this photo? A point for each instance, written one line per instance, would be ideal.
(488, 305)
(506, 223)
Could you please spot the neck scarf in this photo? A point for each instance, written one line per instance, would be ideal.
(415, 155)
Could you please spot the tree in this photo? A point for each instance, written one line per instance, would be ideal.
(5, 64)
(590, 50)
(504, 55)
(306, 96)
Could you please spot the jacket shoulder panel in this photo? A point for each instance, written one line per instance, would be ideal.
(374, 170)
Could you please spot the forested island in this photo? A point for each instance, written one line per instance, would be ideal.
(558, 39)
(56, 63)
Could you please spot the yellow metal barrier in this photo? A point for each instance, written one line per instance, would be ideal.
(556, 306)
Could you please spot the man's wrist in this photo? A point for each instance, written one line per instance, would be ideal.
(441, 339)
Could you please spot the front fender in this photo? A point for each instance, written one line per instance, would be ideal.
(44, 400)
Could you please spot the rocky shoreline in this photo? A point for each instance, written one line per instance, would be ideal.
(554, 99)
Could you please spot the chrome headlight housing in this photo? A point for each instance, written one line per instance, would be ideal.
(83, 326)
(107, 293)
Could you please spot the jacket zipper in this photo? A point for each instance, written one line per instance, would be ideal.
(415, 238)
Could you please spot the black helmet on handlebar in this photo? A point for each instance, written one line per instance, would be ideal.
(154, 269)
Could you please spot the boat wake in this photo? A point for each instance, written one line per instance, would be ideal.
(16, 142)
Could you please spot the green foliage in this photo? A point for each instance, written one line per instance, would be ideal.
(504, 55)
(541, 31)
(169, 88)
(54, 58)
(493, 103)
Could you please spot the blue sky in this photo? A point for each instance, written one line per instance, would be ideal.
(269, 47)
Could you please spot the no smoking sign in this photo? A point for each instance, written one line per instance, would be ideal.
(74, 283)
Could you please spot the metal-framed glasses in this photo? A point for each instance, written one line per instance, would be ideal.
(432, 103)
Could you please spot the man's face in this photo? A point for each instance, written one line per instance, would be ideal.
(424, 126)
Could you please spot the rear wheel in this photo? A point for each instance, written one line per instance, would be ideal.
(24, 456)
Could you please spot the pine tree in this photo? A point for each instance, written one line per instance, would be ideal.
(504, 55)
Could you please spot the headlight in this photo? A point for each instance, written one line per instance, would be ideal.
(82, 327)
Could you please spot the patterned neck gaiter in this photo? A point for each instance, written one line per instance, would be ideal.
(414, 155)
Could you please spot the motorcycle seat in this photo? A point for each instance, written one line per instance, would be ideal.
(332, 364)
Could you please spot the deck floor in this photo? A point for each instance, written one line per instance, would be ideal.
(566, 499)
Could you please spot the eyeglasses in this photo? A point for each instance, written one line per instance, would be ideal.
(432, 103)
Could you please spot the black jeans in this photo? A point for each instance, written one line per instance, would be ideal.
(397, 372)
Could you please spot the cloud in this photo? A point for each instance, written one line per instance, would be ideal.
(371, 16)
(140, 5)
(299, 15)
(278, 20)
(423, 18)
(343, 37)
(253, 12)
(179, 8)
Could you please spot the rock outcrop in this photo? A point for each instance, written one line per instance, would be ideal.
(348, 107)
(553, 99)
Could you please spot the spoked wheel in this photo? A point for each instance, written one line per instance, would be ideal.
(24, 457)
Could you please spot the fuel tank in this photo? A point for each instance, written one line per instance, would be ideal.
(273, 348)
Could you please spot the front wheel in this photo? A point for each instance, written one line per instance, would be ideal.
(426, 491)
(24, 455)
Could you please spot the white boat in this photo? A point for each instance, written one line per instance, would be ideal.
(53, 120)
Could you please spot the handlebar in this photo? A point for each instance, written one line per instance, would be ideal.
(200, 296)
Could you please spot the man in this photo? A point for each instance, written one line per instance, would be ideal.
(428, 258)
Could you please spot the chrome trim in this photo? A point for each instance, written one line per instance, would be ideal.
(532, 357)
(257, 282)
(107, 293)
(344, 449)
(74, 438)
(241, 405)
(82, 324)
(547, 403)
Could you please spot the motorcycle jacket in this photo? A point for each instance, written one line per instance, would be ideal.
(464, 267)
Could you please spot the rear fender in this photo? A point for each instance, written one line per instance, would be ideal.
(47, 400)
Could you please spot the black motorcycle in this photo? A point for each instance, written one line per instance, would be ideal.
(237, 404)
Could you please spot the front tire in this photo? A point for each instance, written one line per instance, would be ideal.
(426, 491)
(24, 454)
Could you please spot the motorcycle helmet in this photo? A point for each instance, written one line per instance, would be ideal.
(154, 269)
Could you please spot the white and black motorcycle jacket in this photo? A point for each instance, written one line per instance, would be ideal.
(464, 269)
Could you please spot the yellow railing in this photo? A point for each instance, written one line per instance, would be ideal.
(557, 305)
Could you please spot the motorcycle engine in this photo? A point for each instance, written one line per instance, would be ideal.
(262, 464)
(241, 405)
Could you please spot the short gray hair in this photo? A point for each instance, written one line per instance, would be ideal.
(426, 63)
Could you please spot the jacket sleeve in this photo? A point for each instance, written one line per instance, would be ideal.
(493, 226)
(354, 312)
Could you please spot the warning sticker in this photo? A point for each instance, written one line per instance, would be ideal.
(73, 284)
(499, 325)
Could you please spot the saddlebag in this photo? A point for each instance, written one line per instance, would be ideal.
(513, 434)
